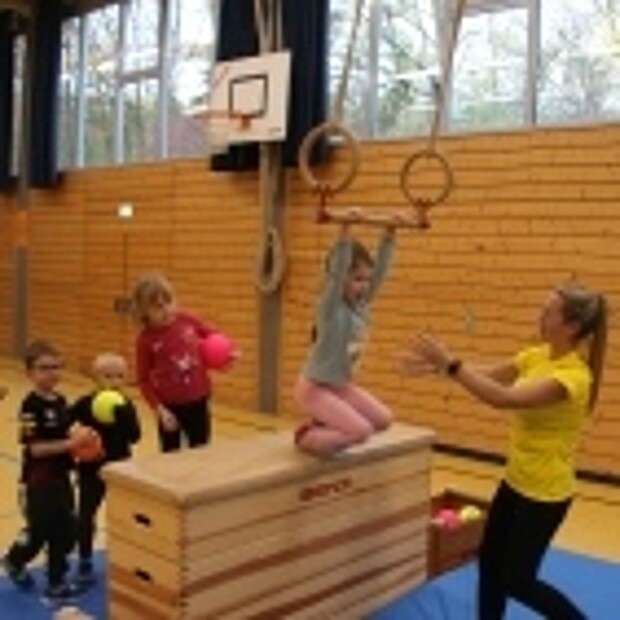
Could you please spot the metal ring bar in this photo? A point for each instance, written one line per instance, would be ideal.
(373, 219)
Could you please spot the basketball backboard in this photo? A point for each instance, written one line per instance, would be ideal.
(255, 90)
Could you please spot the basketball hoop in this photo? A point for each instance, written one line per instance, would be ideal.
(221, 126)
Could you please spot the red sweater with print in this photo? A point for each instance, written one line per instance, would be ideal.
(169, 364)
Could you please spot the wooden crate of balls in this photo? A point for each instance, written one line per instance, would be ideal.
(455, 530)
(252, 528)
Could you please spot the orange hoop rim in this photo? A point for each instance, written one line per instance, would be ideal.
(245, 120)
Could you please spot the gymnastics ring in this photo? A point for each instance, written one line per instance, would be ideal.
(448, 186)
(326, 129)
(271, 263)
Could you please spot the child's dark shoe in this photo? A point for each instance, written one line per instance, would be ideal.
(59, 594)
(85, 575)
(19, 575)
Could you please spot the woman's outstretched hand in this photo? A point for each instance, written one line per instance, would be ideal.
(425, 355)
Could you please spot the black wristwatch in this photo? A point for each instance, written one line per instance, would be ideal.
(453, 367)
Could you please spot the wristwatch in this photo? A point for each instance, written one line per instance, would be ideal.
(453, 367)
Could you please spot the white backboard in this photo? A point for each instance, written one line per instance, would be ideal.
(258, 87)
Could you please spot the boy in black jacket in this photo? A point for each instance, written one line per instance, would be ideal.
(118, 430)
(44, 422)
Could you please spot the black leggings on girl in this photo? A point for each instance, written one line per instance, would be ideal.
(194, 420)
(517, 534)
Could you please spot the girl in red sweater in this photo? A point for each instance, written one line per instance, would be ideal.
(171, 371)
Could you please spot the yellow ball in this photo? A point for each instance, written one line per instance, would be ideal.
(470, 513)
(104, 405)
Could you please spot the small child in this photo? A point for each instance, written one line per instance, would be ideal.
(341, 413)
(171, 370)
(44, 432)
(117, 437)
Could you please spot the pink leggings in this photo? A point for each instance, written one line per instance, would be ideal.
(342, 416)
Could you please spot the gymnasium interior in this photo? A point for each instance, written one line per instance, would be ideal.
(224, 144)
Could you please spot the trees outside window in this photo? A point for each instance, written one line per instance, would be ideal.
(101, 40)
(579, 78)
(135, 75)
(191, 52)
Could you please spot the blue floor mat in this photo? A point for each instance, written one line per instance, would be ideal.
(593, 584)
(16, 604)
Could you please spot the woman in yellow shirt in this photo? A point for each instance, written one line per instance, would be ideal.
(550, 388)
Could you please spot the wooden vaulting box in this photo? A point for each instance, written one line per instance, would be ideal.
(251, 528)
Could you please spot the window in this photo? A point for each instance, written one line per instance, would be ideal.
(408, 67)
(490, 69)
(191, 50)
(135, 75)
(135, 80)
(355, 102)
(140, 120)
(140, 82)
(579, 77)
(101, 34)
(70, 95)
(397, 64)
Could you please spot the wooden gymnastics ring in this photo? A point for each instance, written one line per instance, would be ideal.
(327, 129)
(448, 185)
(271, 263)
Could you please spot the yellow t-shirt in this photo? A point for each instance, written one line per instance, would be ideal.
(544, 440)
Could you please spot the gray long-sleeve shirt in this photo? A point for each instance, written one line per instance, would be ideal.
(341, 327)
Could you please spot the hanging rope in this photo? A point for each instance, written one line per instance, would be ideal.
(430, 152)
(448, 65)
(271, 261)
(334, 128)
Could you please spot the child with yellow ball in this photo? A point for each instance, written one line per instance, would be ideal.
(112, 414)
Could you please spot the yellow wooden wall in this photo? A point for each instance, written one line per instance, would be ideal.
(198, 230)
(9, 237)
(6, 266)
(531, 210)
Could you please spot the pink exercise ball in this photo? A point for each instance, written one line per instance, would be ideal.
(217, 351)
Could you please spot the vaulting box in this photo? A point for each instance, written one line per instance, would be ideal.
(251, 528)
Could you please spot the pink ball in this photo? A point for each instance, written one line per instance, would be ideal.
(217, 351)
(449, 518)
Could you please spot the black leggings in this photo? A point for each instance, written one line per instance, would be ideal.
(517, 534)
(194, 421)
(51, 524)
(91, 492)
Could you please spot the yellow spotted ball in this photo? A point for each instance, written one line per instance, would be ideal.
(104, 405)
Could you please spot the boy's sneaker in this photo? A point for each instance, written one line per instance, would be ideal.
(59, 593)
(85, 575)
(18, 575)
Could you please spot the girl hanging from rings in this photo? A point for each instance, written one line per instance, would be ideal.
(340, 413)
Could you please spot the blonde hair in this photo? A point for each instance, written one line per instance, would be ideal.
(148, 289)
(589, 311)
(107, 359)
